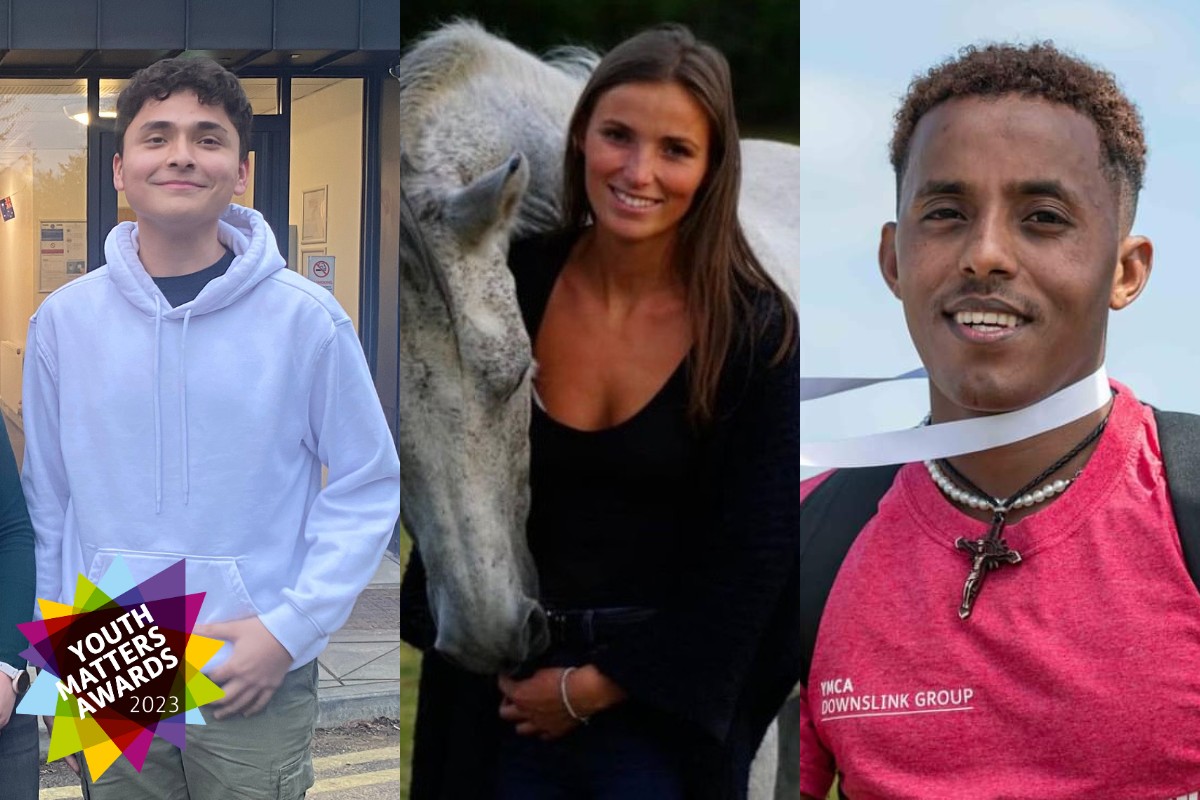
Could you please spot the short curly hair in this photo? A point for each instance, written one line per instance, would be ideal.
(212, 84)
(1037, 70)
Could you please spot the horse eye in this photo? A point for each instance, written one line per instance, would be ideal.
(506, 379)
(526, 376)
(498, 353)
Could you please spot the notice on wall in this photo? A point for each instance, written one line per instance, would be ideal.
(63, 253)
(319, 269)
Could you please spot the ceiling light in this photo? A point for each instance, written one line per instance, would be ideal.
(78, 111)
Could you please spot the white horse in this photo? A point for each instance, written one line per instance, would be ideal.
(483, 127)
(481, 133)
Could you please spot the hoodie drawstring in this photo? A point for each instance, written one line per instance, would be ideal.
(183, 412)
(240, 230)
(158, 473)
(183, 415)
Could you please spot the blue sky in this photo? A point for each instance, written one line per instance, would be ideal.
(856, 60)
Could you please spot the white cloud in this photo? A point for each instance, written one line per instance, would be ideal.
(843, 122)
(846, 194)
(846, 182)
(1188, 93)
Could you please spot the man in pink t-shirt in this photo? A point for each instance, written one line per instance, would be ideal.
(1018, 622)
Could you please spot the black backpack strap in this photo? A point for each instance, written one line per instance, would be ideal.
(1179, 437)
(830, 520)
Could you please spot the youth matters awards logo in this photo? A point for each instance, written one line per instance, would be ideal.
(114, 673)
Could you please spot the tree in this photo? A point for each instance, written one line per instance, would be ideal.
(761, 40)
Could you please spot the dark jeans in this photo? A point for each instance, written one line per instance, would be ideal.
(624, 753)
(619, 755)
(19, 757)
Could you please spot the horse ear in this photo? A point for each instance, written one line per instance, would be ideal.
(490, 202)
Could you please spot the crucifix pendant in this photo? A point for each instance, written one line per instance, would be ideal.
(987, 553)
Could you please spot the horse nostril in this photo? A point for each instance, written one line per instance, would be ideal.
(514, 164)
(536, 632)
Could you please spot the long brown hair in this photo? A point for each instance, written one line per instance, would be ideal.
(721, 275)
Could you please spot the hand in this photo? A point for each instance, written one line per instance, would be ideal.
(254, 670)
(535, 704)
(8, 700)
(71, 760)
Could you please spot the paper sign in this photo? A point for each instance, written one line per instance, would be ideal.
(320, 270)
(63, 253)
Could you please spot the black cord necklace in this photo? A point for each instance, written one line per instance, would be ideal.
(991, 551)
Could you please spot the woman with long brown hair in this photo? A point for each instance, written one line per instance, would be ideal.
(664, 465)
(665, 454)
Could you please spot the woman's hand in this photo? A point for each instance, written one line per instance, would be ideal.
(535, 704)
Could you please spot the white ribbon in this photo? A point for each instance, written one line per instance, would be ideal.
(812, 388)
(952, 438)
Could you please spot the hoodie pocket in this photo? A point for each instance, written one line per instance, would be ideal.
(225, 595)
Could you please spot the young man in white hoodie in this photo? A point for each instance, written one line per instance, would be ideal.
(179, 403)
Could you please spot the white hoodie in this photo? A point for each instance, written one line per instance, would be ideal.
(198, 432)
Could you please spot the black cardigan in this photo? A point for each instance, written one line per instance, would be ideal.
(721, 658)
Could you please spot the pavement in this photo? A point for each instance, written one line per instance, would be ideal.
(360, 669)
(359, 672)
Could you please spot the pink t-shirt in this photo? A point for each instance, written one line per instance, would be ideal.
(1077, 674)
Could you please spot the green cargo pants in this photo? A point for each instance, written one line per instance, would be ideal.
(263, 757)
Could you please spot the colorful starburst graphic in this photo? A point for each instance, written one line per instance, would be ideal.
(116, 672)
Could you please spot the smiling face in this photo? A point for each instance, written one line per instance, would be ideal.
(180, 166)
(645, 151)
(1008, 252)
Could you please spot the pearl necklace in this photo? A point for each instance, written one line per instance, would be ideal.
(991, 551)
(971, 500)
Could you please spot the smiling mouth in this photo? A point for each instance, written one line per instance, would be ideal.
(988, 321)
(633, 201)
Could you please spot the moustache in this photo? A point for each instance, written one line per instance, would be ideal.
(993, 289)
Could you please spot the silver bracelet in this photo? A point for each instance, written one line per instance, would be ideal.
(562, 691)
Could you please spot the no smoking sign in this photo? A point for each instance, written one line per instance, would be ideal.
(319, 269)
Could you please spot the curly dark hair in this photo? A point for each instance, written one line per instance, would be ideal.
(1038, 70)
(213, 84)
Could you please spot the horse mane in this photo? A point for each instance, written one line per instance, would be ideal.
(460, 52)
(462, 48)
(575, 60)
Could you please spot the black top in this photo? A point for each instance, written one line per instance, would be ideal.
(611, 509)
(723, 652)
(180, 289)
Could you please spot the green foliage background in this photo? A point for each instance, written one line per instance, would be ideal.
(761, 39)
